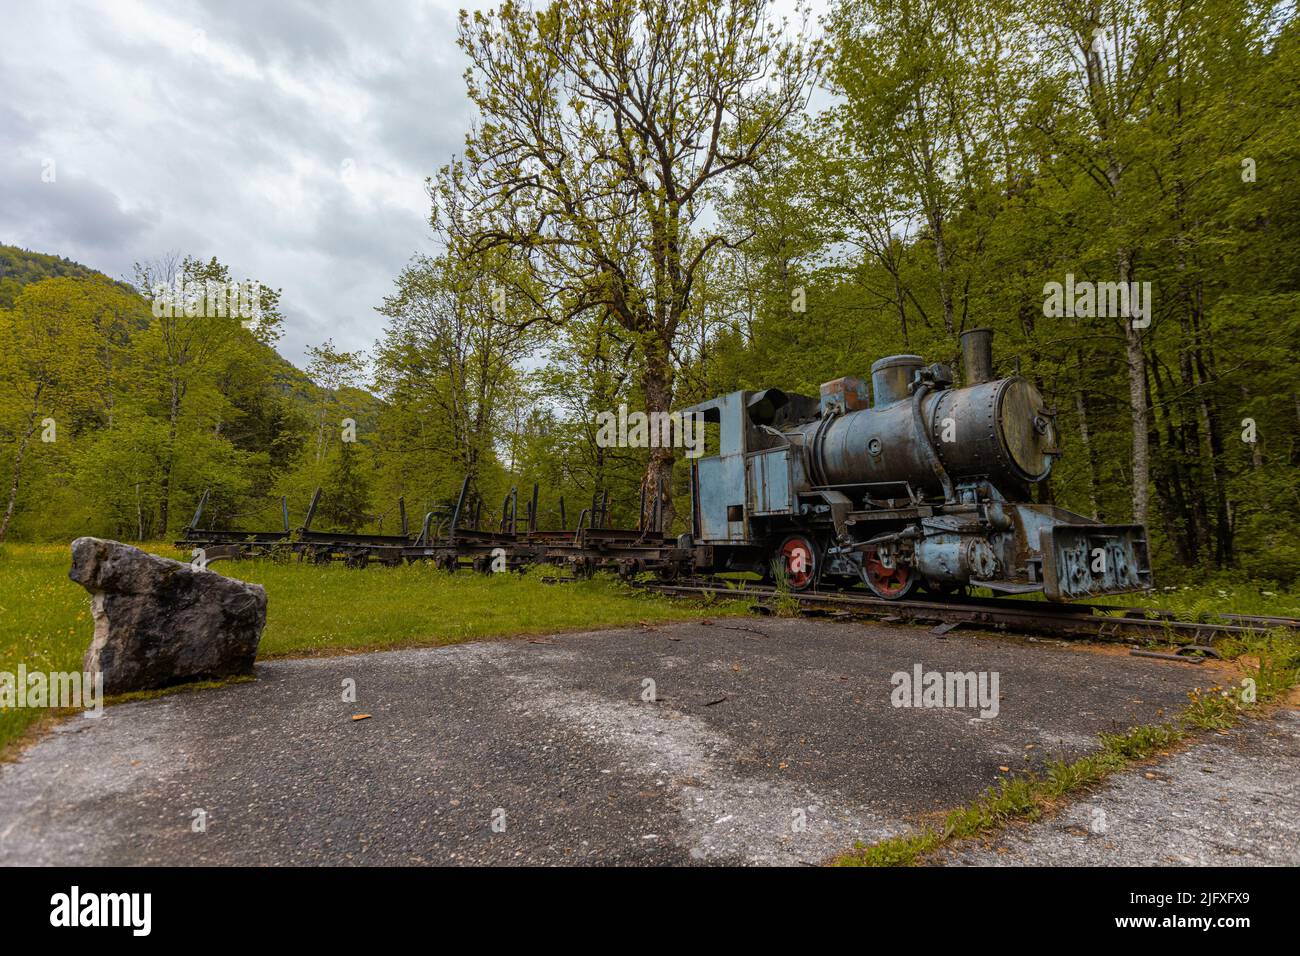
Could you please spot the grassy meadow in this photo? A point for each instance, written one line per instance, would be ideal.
(45, 620)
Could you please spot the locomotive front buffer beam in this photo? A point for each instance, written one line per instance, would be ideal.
(1009, 548)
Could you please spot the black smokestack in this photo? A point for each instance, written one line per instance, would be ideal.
(977, 355)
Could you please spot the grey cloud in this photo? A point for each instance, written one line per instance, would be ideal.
(160, 148)
(39, 214)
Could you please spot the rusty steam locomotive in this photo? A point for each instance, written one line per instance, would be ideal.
(922, 483)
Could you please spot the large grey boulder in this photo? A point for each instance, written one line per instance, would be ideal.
(160, 622)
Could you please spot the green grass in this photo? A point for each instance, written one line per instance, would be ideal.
(45, 620)
(1025, 797)
(1201, 602)
(1272, 661)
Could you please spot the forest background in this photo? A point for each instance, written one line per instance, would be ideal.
(650, 210)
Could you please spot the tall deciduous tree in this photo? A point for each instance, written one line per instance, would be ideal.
(194, 324)
(332, 371)
(898, 66)
(51, 366)
(446, 366)
(1113, 53)
(607, 130)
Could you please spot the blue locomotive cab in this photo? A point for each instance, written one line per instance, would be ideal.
(750, 469)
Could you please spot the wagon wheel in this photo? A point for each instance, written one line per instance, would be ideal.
(892, 584)
(799, 556)
(669, 572)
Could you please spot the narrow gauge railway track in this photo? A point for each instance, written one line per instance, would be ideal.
(1093, 621)
(592, 547)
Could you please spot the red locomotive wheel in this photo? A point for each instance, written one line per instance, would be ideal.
(799, 556)
(891, 584)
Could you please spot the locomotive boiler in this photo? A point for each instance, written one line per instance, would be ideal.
(914, 482)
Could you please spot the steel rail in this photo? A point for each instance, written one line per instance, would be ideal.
(1063, 620)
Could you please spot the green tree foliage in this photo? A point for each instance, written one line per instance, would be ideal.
(22, 267)
(647, 214)
(447, 371)
(346, 507)
(55, 367)
(609, 130)
(114, 419)
(974, 152)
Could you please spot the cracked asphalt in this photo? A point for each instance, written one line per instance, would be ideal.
(768, 741)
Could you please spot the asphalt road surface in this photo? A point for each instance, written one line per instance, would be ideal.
(1233, 799)
(766, 742)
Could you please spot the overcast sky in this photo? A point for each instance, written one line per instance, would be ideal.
(288, 138)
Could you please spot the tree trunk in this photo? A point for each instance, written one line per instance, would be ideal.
(1172, 490)
(1081, 407)
(1137, 395)
(657, 384)
(934, 213)
(18, 468)
(901, 299)
(164, 505)
(1212, 427)
(945, 288)
(1135, 359)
